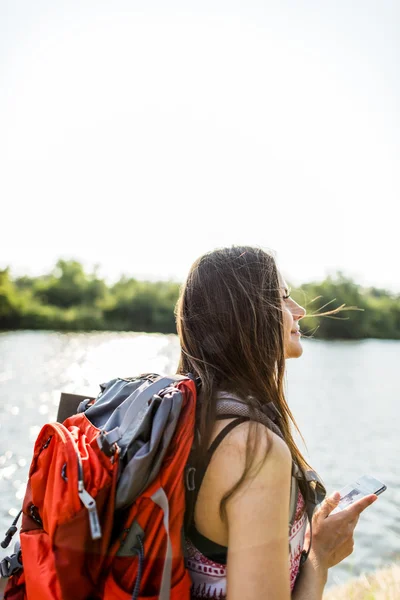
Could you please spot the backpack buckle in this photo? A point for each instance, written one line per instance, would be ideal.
(10, 564)
(107, 445)
(191, 479)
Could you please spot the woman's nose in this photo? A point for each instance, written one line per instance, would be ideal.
(298, 311)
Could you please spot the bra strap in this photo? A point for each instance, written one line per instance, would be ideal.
(200, 473)
(195, 476)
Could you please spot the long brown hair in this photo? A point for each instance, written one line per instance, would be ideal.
(230, 325)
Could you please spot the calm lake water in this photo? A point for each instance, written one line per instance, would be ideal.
(344, 395)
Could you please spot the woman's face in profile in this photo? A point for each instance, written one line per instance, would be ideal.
(292, 313)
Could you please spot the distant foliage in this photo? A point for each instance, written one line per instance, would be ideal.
(10, 301)
(368, 313)
(70, 299)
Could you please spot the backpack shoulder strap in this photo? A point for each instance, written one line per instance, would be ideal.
(233, 406)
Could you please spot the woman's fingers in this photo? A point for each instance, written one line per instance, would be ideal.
(352, 512)
(328, 505)
(355, 509)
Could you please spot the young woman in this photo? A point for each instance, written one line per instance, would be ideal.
(237, 324)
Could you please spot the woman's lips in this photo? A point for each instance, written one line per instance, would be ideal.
(296, 333)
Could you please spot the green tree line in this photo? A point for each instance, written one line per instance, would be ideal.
(70, 299)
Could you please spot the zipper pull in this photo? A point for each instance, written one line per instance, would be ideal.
(90, 504)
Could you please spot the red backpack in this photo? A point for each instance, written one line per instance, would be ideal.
(104, 506)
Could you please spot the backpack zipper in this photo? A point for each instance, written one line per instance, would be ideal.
(89, 503)
(85, 497)
(138, 580)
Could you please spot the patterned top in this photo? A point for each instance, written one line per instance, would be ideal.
(209, 578)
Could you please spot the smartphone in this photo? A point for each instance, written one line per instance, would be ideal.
(363, 486)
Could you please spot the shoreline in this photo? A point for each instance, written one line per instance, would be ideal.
(383, 584)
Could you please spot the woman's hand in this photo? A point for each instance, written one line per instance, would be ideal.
(332, 535)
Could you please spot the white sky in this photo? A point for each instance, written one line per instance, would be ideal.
(138, 135)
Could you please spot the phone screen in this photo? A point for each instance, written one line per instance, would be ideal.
(363, 486)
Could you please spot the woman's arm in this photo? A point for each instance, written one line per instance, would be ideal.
(258, 527)
(311, 582)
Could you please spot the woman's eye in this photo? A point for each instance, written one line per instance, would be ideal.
(286, 297)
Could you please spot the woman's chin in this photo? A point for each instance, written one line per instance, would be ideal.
(293, 349)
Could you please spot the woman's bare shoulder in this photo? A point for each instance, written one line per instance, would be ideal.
(270, 462)
(253, 448)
